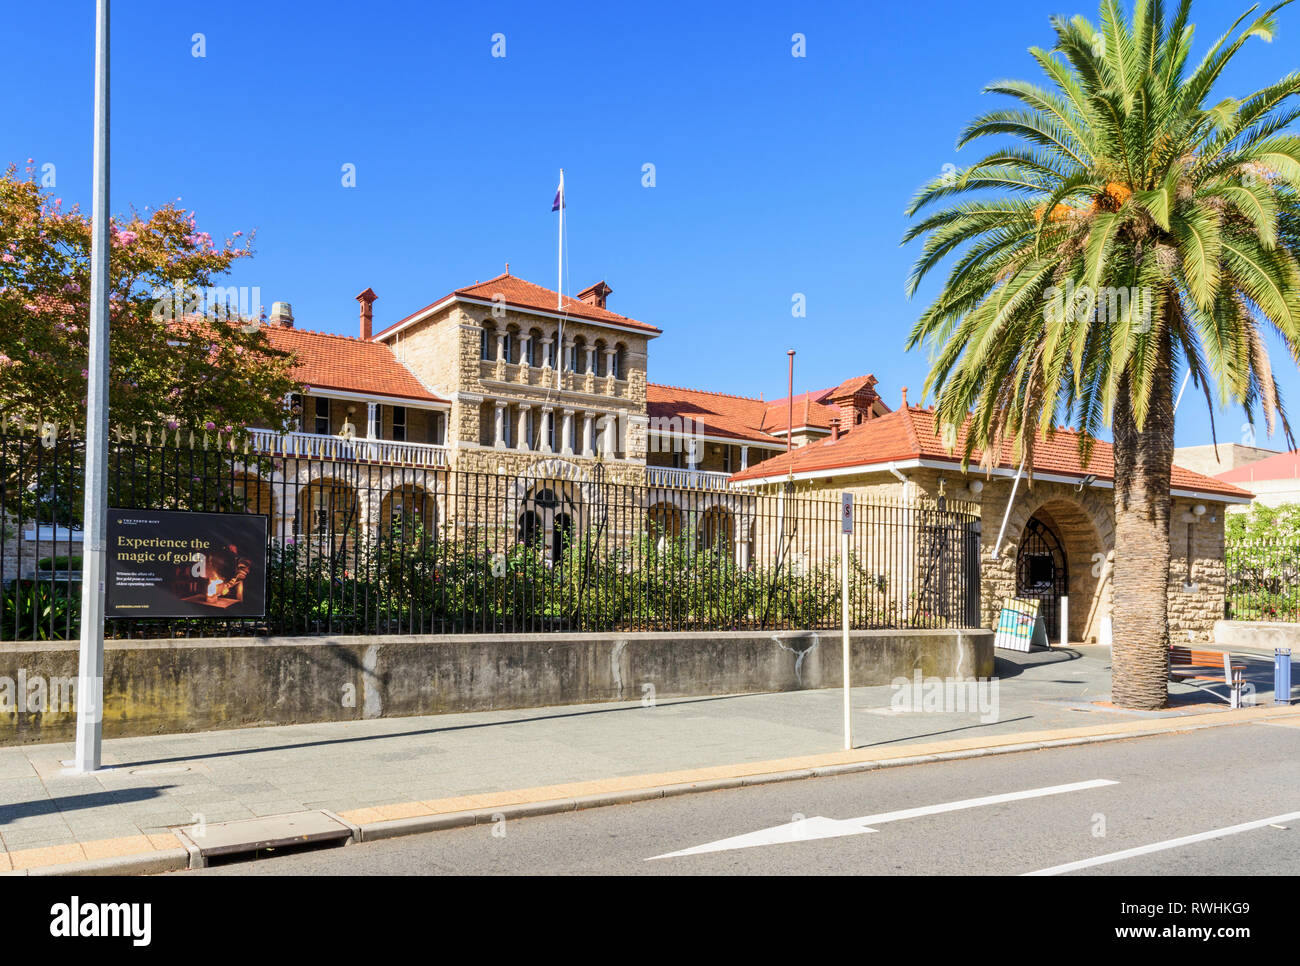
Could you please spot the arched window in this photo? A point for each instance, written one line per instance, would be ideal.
(619, 370)
(714, 530)
(579, 354)
(600, 357)
(487, 346)
(327, 508)
(407, 512)
(508, 347)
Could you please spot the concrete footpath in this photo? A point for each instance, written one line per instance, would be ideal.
(396, 775)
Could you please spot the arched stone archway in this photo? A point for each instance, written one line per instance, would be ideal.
(404, 509)
(1074, 529)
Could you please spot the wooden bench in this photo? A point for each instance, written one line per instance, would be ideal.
(1188, 664)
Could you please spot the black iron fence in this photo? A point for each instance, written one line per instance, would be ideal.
(364, 548)
(1263, 580)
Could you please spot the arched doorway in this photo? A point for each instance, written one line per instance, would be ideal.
(1042, 573)
(547, 520)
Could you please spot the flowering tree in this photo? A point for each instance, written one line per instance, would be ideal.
(168, 366)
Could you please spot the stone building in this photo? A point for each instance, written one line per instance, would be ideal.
(505, 378)
(1050, 540)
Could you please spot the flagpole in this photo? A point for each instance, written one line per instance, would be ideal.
(559, 287)
(90, 667)
(559, 294)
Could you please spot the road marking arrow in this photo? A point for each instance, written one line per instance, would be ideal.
(820, 827)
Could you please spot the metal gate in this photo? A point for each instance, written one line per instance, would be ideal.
(1041, 573)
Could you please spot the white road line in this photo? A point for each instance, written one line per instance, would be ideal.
(820, 827)
(1217, 833)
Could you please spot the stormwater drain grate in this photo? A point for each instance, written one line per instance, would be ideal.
(257, 837)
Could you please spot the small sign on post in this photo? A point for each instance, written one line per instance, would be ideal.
(846, 529)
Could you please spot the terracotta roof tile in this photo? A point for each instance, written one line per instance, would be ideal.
(716, 414)
(913, 433)
(345, 364)
(522, 294)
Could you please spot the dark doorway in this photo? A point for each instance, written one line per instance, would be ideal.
(1041, 573)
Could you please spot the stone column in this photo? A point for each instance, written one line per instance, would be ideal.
(501, 346)
(525, 342)
(522, 441)
(609, 362)
(500, 430)
(566, 433)
(608, 446)
(588, 434)
(568, 362)
(372, 422)
(544, 430)
(591, 359)
(742, 552)
(547, 342)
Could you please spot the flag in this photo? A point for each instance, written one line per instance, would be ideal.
(558, 203)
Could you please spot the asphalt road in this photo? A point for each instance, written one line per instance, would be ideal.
(1140, 794)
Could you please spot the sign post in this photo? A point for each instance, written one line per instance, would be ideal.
(846, 530)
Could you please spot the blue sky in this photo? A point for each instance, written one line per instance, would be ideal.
(775, 175)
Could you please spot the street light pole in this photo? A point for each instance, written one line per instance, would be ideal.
(90, 674)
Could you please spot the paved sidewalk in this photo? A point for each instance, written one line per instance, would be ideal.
(398, 768)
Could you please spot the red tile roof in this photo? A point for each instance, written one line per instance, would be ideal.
(345, 364)
(815, 408)
(714, 413)
(912, 432)
(525, 295)
(1283, 466)
(740, 417)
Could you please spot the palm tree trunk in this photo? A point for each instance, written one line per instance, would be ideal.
(1140, 583)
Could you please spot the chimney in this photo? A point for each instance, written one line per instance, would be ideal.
(282, 314)
(856, 405)
(596, 294)
(835, 429)
(367, 300)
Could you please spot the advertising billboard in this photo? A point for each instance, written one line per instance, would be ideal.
(179, 563)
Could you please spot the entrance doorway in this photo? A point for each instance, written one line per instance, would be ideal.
(1041, 573)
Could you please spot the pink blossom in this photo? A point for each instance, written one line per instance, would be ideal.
(172, 424)
(6, 257)
(209, 425)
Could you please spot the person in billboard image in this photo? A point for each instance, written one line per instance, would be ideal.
(225, 571)
(220, 575)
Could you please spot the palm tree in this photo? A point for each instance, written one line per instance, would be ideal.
(1130, 227)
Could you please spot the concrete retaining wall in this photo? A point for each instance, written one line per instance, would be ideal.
(158, 687)
(1259, 635)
